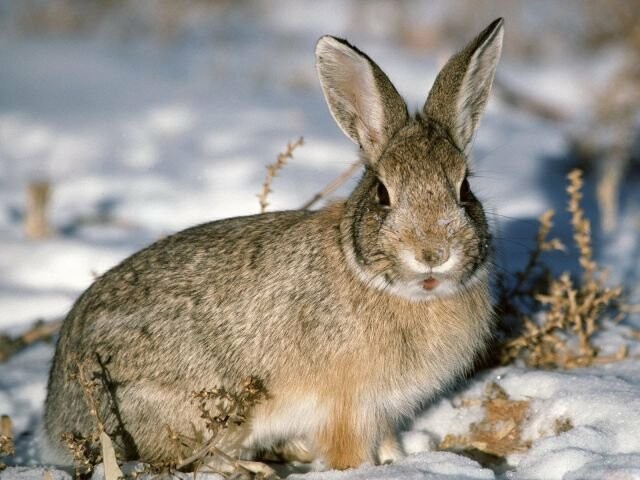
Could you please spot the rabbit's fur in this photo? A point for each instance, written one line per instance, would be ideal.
(351, 315)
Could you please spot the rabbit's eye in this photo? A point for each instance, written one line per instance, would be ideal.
(465, 191)
(383, 195)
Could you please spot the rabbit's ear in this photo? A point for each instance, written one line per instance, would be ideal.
(460, 91)
(362, 100)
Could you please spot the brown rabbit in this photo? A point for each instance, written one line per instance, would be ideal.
(351, 315)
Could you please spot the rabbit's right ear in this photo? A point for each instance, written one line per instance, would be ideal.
(362, 100)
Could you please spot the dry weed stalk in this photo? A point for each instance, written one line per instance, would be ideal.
(534, 277)
(7, 448)
(89, 386)
(499, 432)
(89, 450)
(272, 171)
(85, 448)
(333, 185)
(223, 411)
(229, 407)
(567, 310)
(543, 244)
(85, 451)
(281, 161)
(36, 223)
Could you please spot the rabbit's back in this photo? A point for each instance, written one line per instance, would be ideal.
(197, 291)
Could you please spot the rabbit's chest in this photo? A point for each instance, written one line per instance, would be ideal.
(418, 362)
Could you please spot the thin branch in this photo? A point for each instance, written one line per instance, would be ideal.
(208, 447)
(331, 187)
(40, 331)
(88, 389)
(273, 169)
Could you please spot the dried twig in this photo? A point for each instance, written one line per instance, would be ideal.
(111, 469)
(85, 449)
(533, 278)
(89, 386)
(224, 412)
(333, 185)
(273, 169)
(581, 228)
(40, 331)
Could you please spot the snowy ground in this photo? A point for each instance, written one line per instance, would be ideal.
(160, 137)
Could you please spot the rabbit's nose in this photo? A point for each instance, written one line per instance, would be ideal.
(435, 255)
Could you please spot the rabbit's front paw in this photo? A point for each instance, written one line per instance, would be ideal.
(389, 450)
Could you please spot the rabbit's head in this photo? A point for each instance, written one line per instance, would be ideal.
(413, 226)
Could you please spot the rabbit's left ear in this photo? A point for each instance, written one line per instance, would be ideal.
(461, 89)
(361, 98)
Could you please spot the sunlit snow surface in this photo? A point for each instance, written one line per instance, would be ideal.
(161, 137)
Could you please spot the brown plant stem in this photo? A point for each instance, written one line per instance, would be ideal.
(272, 171)
(332, 186)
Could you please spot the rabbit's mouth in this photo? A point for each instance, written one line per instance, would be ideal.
(419, 280)
(424, 287)
(431, 286)
(430, 283)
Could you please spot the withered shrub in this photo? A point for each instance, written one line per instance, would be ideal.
(559, 316)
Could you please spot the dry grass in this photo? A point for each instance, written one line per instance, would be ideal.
(224, 412)
(90, 449)
(563, 314)
(500, 431)
(272, 171)
(85, 447)
(498, 434)
(7, 448)
(85, 451)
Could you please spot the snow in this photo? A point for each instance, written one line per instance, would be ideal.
(158, 136)
(430, 466)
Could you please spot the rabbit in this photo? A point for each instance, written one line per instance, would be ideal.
(352, 316)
